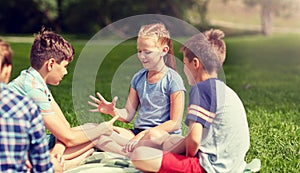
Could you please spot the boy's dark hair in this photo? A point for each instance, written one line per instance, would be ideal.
(198, 46)
(5, 53)
(48, 44)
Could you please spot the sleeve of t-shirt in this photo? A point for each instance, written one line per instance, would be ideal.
(133, 82)
(176, 83)
(136, 78)
(42, 100)
(201, 107)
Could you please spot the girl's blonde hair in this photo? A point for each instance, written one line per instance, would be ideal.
(159, 32)
(215, 37)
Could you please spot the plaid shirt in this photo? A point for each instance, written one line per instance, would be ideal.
(22, 134)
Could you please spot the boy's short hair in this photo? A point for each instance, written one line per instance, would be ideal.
(215, 37)
(48, 44)
(199, 46)
(5, 53)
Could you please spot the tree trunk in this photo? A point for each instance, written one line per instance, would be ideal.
(59, 19)
(203, 13)
(266, 20)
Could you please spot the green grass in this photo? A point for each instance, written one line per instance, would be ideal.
(264, 71)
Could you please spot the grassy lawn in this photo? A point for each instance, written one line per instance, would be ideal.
(265, 72)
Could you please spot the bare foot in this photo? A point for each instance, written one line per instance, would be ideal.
(76, 161)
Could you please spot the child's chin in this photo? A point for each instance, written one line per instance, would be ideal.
(54, 84)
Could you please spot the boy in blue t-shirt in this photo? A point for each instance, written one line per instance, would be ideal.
(218, 136)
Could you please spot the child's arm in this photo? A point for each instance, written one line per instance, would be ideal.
(176, 113)
(126, 114)
(72, 137)
(60, 114)
(193, 138)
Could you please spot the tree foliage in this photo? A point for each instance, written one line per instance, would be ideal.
(20, 16)
(79, 16)
(273, 7)
(89, 16)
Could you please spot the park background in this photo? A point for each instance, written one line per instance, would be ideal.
(262, 65)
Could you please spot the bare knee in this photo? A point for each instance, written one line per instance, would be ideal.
(153, 134)
(146, 158)
(137, 154)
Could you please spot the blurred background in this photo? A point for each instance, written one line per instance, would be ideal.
(262, 62)
(86, 17)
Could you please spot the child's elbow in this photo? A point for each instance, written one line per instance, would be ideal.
(70, 141)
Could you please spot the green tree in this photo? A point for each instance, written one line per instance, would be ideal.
(91, 15)
(271, 8)
(20, 16)
(86, 16)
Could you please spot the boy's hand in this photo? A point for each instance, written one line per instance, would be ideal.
(111, 122)
(102, 105)
(28, 165)
(109, 125)
(58, 162)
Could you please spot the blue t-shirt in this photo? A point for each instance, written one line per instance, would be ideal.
(155, 98)
(225, 139)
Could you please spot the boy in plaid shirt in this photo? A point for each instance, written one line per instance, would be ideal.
(22, 131)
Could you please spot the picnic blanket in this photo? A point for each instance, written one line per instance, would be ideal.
(104, 162)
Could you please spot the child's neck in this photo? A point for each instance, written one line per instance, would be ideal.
(206, 76)
(154, 76)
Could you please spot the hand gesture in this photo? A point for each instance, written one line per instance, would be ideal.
(130, 145)
(133, 142)
(58, 162)
(109, 125)
(102, 105)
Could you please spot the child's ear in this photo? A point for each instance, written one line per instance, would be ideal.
(197, 63)
(165, 50)
(50, 63)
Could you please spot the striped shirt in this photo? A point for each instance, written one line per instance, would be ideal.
(31, 83)
(23, 135)
(225, 138)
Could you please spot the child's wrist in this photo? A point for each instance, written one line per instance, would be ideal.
(115, 112)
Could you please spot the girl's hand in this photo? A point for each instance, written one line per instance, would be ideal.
(102, 105)
(130, 145)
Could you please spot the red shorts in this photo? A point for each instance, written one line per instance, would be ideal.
(174, 163)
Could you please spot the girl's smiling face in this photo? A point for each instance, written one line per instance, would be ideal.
(149, 53)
